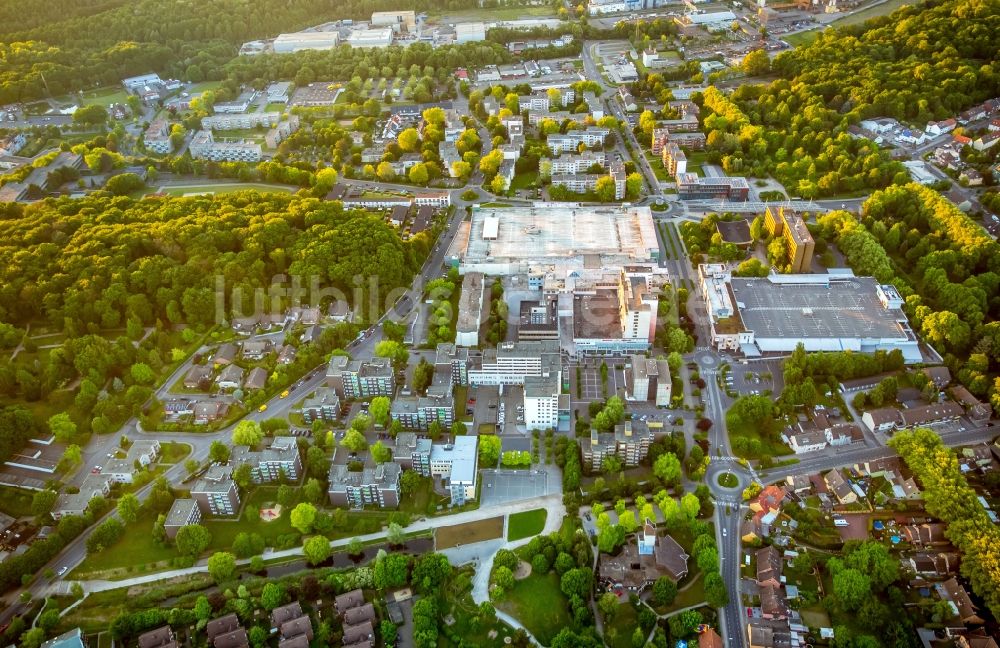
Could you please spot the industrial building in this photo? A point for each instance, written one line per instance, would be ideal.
(470, 32)
(397, 21)
(692, 187)
(824, 312)
(287, 43)
(507, 241)
(365, 38)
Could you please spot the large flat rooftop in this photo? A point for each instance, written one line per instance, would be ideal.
(845, 308)
(560, 233)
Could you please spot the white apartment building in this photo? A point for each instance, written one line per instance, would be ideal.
(541, 402)
(204, 147)
(573, 164)
(571, 141)
(238, 121)
(580, 183)
(157, 137)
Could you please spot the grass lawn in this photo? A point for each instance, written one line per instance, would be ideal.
(15, 502)
(101, 96)
(276, 107)
(738, 428)
(524, 180)
(801, 38)
(657, 164)
(204, 86)
(539, 604)
(174, 452)
(495, 204)
(526, 524)
(618, 633)
(695, 159)
(728, 480)
(460, 534)
(136, 552)
(224, 188)
(459, 605)
(881, 9)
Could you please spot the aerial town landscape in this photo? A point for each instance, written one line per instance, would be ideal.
(487, 323)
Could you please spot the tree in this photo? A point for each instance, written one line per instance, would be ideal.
(246, 545)
(691, 505)
(379, 410)
(489, 450)
(243, 475)
(628, 522)
(43, 501)
(409, 140)
(852, 588)
(380, 453)
(431, 571)
(664, 591)
(756, 63)
(303, 516)
(272, 596)
(684, 624)
(385, 172)
(221, 566)
(423, 375)
(247, 433)
(577, 582)
(218, 452)
(92, 115)
(490, 163)
(316, 550)
(605, 189)
(192, 540)
(461, 169)
(716, 592)
(391, 570)
(503, 578)
(395, 351)
(418, 174)
(62, 427)
(498, 184)
(873, 559)
(128, 508)
(124, 184)
(667, 468)
(608, 605)
(354, 441)
(633, 185)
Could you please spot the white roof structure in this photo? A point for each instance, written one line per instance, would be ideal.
(505, 240)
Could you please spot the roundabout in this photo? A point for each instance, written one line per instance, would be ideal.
(727, 479)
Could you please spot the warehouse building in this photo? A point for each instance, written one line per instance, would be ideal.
(825, 312)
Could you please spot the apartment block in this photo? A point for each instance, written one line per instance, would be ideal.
(183, 512)
(790, 226)
(629, 442)
(378, 486)
(356, 379)
(268, 465)
(570, 142)
(454, 361)
(457, 465)
(580, 163)
(674, 160)
(157, 137)
(204, 147)
(324, 405)
(216, 492)
(648, 379)
(511, 362)
(240, 121)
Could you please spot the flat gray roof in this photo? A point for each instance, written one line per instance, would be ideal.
(843, 308)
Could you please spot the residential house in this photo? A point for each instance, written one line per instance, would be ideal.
(206, 412)
(769, 566)
(198, 377)
(347, 600)
(256, 349)
(226, 632)
(225, 355)
(799, 484)
(940, 376)
(162, 637)
(925, 534)
(230, 378)
(840, 488)
(978, 412)
(933, 563)
(967, 611)
(256, 379)
(882, 419)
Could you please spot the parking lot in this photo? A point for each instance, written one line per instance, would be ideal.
(590, 378)
(756, 377)
(503, 486)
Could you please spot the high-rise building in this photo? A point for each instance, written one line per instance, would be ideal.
(790, 225)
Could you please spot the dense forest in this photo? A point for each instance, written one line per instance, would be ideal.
(923, 62)
(920, 63)
(76, 45)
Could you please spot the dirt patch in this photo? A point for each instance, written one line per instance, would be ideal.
(523, 570)
(462, 534)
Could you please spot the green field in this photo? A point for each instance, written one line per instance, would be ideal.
(101, 96)
(173, 452)
(618, 633)
(524, 180)
(881, 9)
(526, 524)
(224, 188)
(135, 553)
(539, 604)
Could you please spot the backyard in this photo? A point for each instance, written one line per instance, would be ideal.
(539, 604)
(526, 524)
